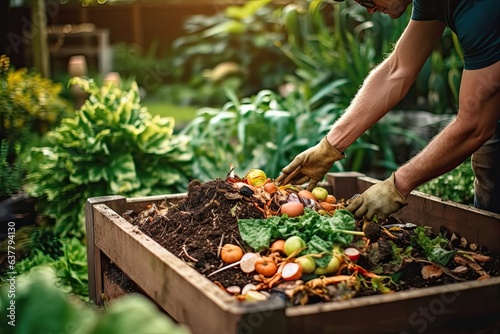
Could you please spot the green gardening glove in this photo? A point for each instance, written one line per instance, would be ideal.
(381, 200)
(310, 165)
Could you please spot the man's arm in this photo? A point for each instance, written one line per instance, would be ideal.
(388, 83)
(385, 86)
(479, 112)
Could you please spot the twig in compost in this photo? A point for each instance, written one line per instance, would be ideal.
(186, 253)
(234, 264)
(220, 245)
(236, 240)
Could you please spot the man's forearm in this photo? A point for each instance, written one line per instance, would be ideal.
(446, 151)
(475, 124)
(381, 91)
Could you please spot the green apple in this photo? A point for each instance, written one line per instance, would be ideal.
(331, 267)
(293, 243)
(320, 193)
(307, 263)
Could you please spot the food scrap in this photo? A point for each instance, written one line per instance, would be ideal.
(255, 240)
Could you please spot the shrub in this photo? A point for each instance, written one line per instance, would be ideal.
(456, 185)
(112, 146)
(236, 48)
(11, 174)
(68, 257)
(260, 131)
(42, 308)
(30, 105)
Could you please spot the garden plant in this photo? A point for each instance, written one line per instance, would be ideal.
(112, 145)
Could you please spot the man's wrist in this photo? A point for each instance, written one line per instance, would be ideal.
(401, 184)
(335, 142)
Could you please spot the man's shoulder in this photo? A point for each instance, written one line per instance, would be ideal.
(427, 10)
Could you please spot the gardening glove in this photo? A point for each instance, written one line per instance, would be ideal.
(310, 165)
(381, 199)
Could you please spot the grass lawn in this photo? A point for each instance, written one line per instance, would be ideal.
(181, 114)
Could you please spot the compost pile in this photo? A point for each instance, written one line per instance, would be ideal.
(194, 228)
(391, 255)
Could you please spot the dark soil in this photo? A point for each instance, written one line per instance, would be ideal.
(199, 224)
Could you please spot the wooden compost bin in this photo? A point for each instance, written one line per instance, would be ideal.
(192, 299)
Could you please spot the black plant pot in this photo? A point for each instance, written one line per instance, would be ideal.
(16, 211)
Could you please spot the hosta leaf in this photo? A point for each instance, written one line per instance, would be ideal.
(95, 154)
(96, 174)
(123, 167)
(123, 187)
(132, 129)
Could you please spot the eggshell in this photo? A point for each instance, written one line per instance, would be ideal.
(292, 209)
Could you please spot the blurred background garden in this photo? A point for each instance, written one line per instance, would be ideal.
(137, 98)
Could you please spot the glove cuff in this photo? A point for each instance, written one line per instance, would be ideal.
(401, 200)
(335, 153)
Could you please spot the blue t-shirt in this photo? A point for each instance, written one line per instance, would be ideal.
(475, 22)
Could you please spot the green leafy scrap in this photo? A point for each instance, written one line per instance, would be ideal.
(314, 228)
(434, 249)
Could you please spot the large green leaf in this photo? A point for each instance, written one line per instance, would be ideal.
(101, 151)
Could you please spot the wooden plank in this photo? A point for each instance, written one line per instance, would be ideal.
(111, 289)
(475, 225)
(443, 309)
(192, 299)
(137, 32)
(180, 290)
(141, 203)
(344, 184)
(94, 260)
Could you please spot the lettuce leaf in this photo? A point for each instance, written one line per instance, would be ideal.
(434, 249)
(314, 228)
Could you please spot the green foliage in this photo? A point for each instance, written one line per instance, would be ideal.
(333, 59)
(39, 307)
(70, 266)
(148, 69)
(456, 185)
(11, 174)
(30, 105)
(112, 146)
(241, 39)
(438, 83)
(135, 314)
(261, 131)
(320, 232)
(433, 247)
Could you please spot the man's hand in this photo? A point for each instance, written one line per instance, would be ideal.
(381, 199)
(311, 165)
